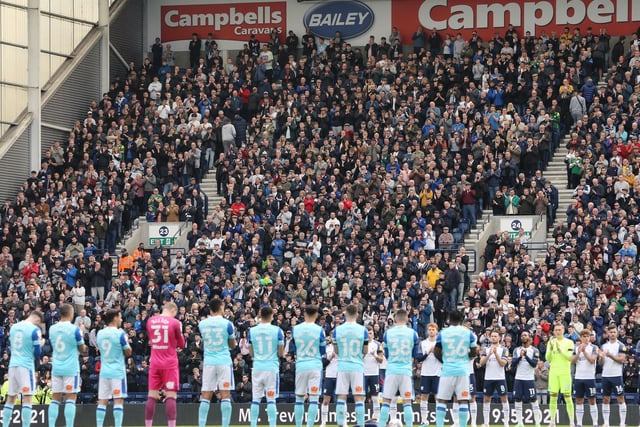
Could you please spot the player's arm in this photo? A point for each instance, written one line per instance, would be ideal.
(576, 355)
(591, 356)
(385, 347)
(365, 345)
(323, 344)
(232, 337)
(437, 350)
(250, 343)
(37, 343)
(621, 357)
(504, 358)
(422, 355)
(552, 347)
(484, 357)
(416, 345)
(601, 356)
(533, 361)
(126, 348)
(336, 349)
(567, 354)
(82, 348)
(516, 357)
(473, 346)
(473, 352)
(380, 353)
(177, 333)
(280, 343)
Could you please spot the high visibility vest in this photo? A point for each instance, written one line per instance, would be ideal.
(125, 263)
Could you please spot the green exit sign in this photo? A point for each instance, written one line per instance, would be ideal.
(164, 241)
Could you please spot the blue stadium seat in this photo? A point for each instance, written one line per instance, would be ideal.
(185, 397)
(86, 397)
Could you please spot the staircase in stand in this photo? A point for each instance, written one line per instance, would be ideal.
(209, 186)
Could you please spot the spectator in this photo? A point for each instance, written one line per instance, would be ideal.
(195, 46)
(243, 390)
(419, 40)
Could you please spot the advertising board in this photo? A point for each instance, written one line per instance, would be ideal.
(232, 23)
(351, 18)
(228, 21)
(621, 17)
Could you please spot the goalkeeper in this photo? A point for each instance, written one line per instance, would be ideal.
(559, 353)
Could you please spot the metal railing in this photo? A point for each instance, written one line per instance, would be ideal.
(536, 247)
(471, 253)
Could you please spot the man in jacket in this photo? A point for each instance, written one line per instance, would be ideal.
(452, 278)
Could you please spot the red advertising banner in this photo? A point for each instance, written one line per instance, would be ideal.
(227, 21)
(620, 17)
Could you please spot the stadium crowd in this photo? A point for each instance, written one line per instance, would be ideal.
(347, 175)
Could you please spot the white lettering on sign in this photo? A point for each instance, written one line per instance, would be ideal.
(334, 19)
(263, 15)
(530, 15)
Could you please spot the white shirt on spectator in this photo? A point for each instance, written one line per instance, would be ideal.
(154, 88)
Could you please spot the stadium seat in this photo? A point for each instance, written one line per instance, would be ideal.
(185, 397)
(86, 397)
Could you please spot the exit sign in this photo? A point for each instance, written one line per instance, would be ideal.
(164, 241)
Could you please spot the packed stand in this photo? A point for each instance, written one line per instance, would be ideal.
(588, 278)
(348, 174)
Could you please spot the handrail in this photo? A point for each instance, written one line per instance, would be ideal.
(206, 202)
(536, 246)
(179, 232)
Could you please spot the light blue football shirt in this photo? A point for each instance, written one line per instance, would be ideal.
(310, 345)
(400, 344)
(216, 332)
(265, 339)
(351, 338)
(25, 344)
(65, 339)
(112, 342)
(456, 341)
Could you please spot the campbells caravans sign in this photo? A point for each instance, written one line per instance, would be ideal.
(486, 16)
(227, 21)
